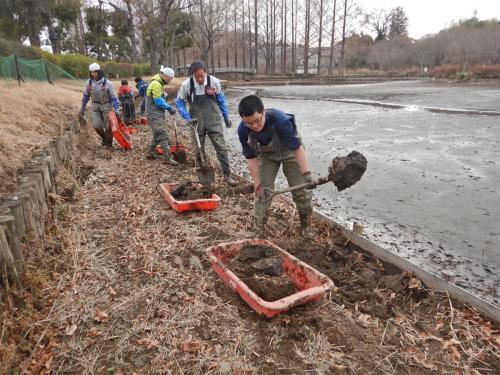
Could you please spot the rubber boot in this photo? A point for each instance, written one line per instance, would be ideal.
(229, 180)
(306, 230)
(260, 229)
(151, 153)
(168, 159)
(109, 139)
(101, 134)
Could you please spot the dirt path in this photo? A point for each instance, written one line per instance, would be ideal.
(133, 292)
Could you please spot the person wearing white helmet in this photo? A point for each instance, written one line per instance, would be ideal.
(156, 105)
(104, 100)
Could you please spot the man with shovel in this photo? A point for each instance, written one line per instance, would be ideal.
(269, 139)
(156, 105)
(205, 97)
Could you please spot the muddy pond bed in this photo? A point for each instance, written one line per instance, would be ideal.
(260, 268)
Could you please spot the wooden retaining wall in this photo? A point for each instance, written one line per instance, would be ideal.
(23, 213)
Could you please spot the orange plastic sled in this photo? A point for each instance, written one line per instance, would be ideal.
(209, 204)
(120, 131)
(310, 283)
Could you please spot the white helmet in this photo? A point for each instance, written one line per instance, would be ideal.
(167, 71)
(94, 67)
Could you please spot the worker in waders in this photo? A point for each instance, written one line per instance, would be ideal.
(126, 98)
(141, 86)
(156, 105)
(270, 139)
(205, 97)
(104, 100)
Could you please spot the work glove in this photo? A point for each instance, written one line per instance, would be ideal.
(227, 122)
(172, 111)
(259, 193)
(307, 177)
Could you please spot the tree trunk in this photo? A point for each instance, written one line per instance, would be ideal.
(235, 38)
(282, 69)
(342, 52)
(332, 40)
(318, 72)
(285, 37)
(131, 25)
(293, 36)
(243, 34)
(256, 38)
(273, 37)
(249, 12)
(306, 38)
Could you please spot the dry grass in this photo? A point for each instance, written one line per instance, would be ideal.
(31, 115)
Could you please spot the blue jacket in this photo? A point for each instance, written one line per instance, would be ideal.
(285, 128)
(141, 86)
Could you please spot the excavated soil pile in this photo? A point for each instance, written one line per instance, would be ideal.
(260, 268)
(347, 170)
(191, 191)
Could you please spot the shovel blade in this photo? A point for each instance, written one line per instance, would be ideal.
(206, 175)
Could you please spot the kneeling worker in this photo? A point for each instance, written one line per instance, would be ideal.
(269, 139)
(156, 105)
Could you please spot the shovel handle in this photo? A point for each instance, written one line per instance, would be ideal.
(306, 185)
(194, 125)
(175, 133)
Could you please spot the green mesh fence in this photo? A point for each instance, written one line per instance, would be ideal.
(41, 70)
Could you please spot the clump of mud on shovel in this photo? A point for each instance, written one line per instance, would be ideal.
(188, 190)
(345, 171)
(260, 268)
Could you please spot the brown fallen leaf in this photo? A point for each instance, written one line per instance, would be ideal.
(93, 332)
(364, 319)
(148, 343)
(190, 346)
(70, 329)
(111, 291)
(101, 316)
(415, 283)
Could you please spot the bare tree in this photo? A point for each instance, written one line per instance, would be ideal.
(320, 32)
(344, 22)
(256, 38)
(243, 35)
(332, 38)
(379, 21)
(208, 25)
(307, 32)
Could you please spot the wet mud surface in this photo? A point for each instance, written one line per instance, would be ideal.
(259, 267)
(430, 193)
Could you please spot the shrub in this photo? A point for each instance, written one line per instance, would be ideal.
(445, 70)
(143, 69)
(114, 69)
(55, 59)
(76, 64)
(486, 71)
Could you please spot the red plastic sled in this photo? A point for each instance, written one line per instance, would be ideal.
(209, 204)
(310, 283)
(120, 131)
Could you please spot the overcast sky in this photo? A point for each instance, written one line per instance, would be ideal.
(431, 16)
